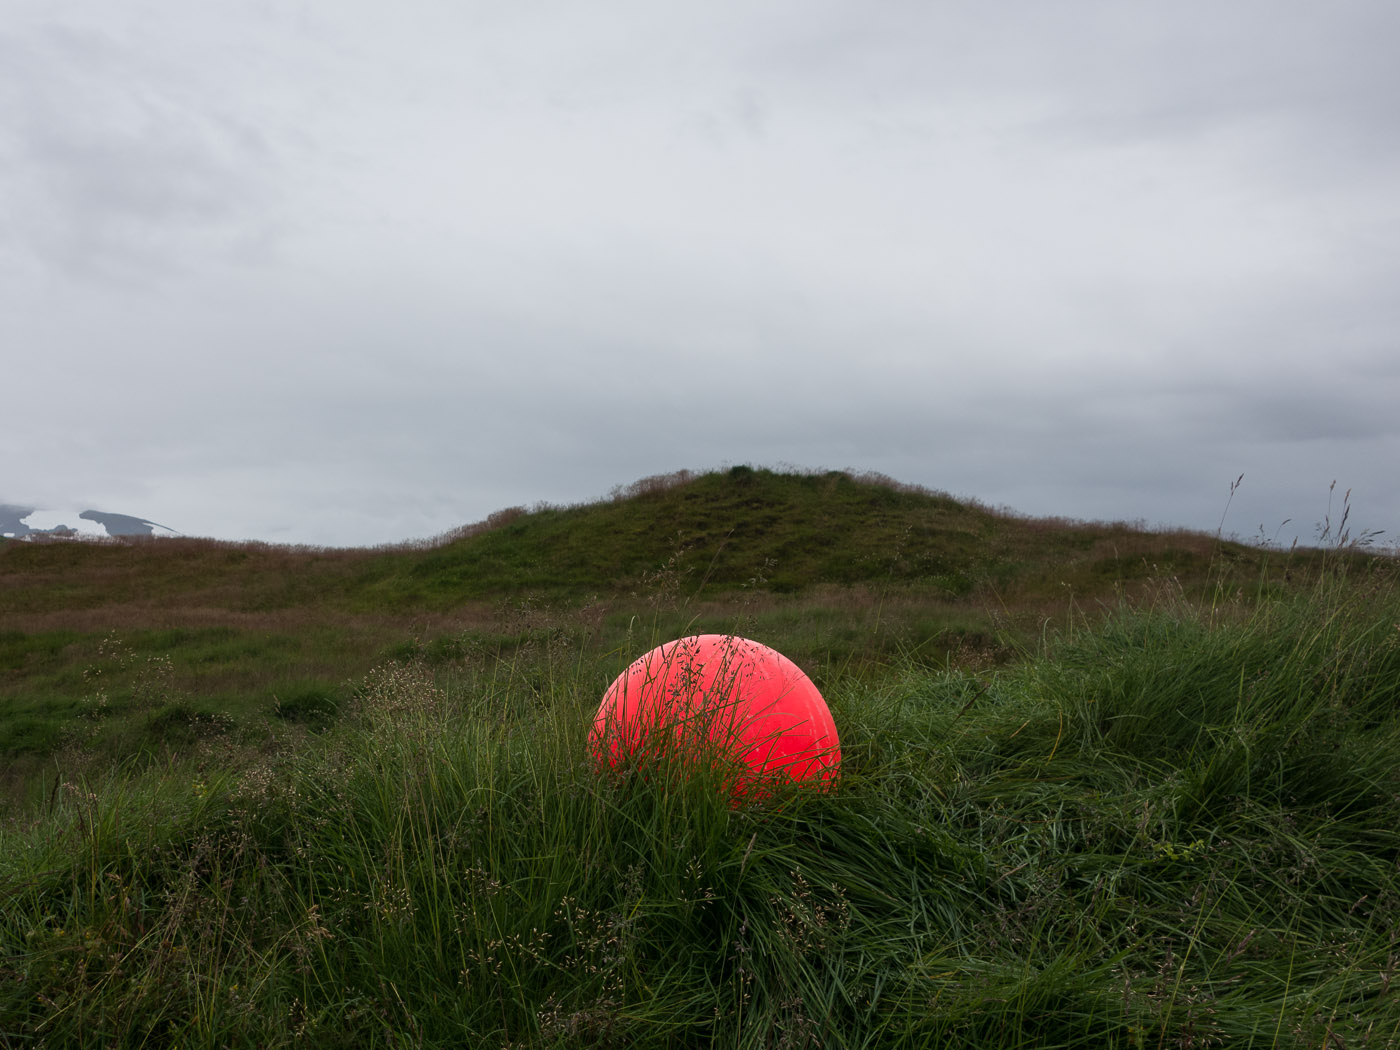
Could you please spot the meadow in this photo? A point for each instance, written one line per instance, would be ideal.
(1102, 786)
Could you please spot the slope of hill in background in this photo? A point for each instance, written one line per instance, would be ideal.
(793, 532)
(785, 533)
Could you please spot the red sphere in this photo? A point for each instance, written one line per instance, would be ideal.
(722, 696)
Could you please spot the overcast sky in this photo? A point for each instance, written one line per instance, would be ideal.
(351, 273)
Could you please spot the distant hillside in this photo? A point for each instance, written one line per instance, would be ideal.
(783, 532)
(701, 536)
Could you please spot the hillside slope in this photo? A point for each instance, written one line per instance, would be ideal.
(708, 535)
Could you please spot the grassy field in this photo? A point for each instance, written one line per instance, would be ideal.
(1102, 786)
(114, 652)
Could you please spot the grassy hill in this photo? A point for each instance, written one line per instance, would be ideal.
(722, 531)
(141, 646)
(1102, 786)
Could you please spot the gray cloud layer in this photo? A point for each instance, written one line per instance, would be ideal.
(327, 273)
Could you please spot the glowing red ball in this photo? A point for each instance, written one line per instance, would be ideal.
(725, 698)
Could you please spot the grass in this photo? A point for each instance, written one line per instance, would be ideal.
(1177, 828)
(1133, 811)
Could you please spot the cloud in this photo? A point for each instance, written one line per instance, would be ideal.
(119, 165)
(322, 272)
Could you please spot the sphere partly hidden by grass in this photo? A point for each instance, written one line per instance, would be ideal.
(720, 702)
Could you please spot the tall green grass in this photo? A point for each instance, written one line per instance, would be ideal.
(1178, 829)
